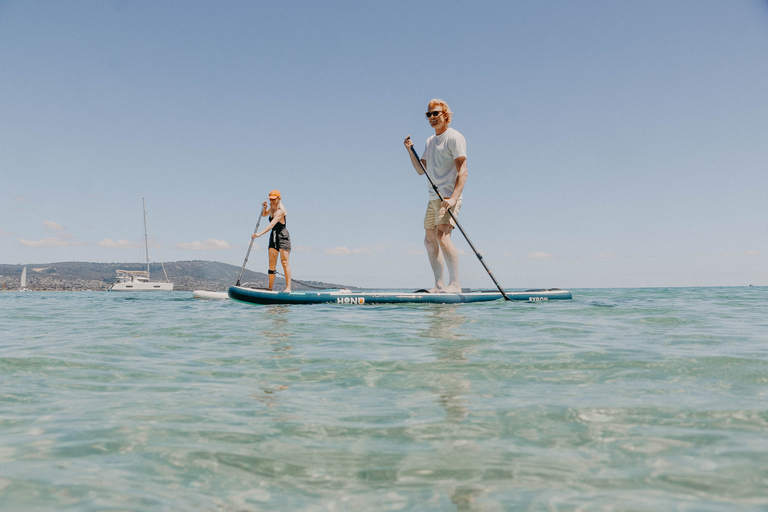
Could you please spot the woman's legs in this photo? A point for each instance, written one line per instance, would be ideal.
(286, 268)
(272, 264)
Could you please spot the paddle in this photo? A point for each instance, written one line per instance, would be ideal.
(434, 187)
(249, 249)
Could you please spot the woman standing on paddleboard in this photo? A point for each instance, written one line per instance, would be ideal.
(279, 239)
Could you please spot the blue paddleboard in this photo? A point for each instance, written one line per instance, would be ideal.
(342, 296)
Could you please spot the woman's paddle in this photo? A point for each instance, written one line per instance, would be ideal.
(249, 249)
(434, 187)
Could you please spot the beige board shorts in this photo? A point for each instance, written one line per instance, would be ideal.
(436, 215)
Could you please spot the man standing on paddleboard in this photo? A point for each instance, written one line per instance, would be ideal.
(445, 159)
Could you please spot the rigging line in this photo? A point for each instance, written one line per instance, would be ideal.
(146, 242)
(302, 282)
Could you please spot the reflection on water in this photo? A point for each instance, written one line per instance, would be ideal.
(443, 322)
(280, 321)
(278, 335)
(451, 384)
(465, 497)
(268, 395)
(444, 325)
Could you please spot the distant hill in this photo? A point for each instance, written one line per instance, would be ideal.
(185, 275)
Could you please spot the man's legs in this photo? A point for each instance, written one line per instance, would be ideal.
(440, 250)
(451, 256)
(432, 245)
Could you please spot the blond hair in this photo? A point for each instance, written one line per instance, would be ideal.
(278, 207)
(446, 109)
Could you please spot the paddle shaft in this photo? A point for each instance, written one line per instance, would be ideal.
(256, 230)
(458, 225)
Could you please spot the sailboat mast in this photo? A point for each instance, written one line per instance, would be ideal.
(146, 241)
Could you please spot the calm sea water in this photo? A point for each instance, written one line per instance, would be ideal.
(621, 399)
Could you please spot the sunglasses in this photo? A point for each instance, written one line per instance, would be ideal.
(433, 114)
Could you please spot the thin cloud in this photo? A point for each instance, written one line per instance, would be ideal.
(5, 233)
(751, 253)
(605, 255)
(338, 251)
(62, 238)
(21, 199)
(357, 251)
(211, 244)
(50, 242)
(118, 244)
(53, 226)
(421, 252)
(539, 255)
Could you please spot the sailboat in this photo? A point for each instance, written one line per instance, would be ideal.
(138, 280)
(23, 280)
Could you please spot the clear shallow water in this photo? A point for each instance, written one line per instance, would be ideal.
(622, 399)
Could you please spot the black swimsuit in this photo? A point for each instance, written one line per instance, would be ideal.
(279, 238)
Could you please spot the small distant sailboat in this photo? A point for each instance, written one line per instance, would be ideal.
(138, 280)
(23, 280)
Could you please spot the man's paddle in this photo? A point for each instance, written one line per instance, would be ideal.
(249, 249)
(434, 187)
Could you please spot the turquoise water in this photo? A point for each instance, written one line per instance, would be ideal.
(621, 399)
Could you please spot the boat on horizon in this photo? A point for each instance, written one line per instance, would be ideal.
(139, 280)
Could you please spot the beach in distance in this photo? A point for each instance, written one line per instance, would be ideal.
(640, 399)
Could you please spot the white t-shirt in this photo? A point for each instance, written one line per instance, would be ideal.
(440, 153)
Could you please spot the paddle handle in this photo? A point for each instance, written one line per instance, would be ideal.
(256, 230)
(458, 225)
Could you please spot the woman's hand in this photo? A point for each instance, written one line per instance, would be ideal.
(256, 235)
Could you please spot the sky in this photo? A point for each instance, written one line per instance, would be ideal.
(609, 144)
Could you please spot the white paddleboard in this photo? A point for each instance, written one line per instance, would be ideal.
(205, 294)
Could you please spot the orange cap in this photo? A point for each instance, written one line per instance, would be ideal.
(275, 194)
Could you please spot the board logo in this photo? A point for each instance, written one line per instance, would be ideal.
(350, 300)
(537, 299)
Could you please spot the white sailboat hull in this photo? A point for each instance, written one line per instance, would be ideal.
(141, 287)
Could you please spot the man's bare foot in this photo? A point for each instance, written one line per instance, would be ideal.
(452, 289)
(287, 290)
